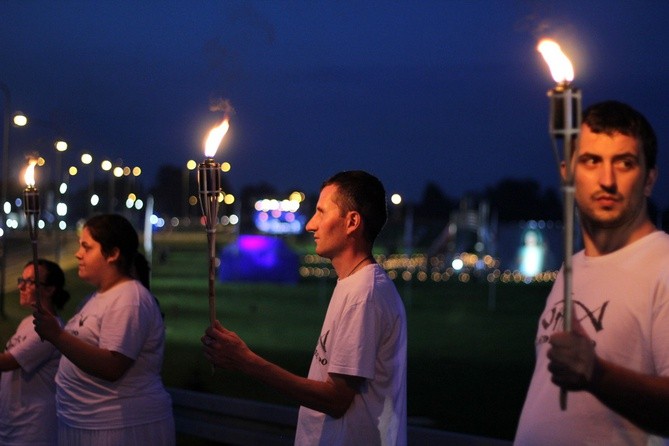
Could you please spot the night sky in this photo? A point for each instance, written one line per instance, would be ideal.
(451, 92)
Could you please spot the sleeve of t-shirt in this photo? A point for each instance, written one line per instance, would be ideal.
(31, 352)
(660, 329)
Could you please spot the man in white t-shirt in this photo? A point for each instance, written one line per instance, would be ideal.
(355, 393)
(615, 362)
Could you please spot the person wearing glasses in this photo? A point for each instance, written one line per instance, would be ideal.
(28, 365)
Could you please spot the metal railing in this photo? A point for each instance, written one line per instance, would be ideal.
(233, 421)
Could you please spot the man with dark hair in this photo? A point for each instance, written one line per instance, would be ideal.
(615, 362)
(355, 393)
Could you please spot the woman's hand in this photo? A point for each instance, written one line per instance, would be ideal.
(46, 324)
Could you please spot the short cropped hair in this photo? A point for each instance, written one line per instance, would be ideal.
(364, 193)
(609, 117)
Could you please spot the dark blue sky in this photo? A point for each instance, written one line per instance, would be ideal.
(451, 91)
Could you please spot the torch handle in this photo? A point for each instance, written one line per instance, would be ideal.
(209, 185)
(568, 192)
(212, 293)
(32, 230)
(211, 238)
(564, 125)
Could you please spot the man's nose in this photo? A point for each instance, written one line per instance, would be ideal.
(310, 227)
(607, 177)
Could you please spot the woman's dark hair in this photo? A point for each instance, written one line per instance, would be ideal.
(55, 277)
(115, 231)
(141, 270)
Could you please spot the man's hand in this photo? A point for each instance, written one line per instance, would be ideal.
(572, 357)
(224, 349)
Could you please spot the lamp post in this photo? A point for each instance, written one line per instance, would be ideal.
(117, 172)
(190, 166)
(72, 171)
(3, 198)
(61, 146)
(107, 166)
(407, 228)
(87, 159)
(136, 186)
(131, 200)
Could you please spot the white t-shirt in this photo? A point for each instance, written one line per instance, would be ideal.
(364, 334)
(622, 302)
(28, 394)
(125, 319)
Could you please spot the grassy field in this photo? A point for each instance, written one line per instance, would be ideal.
(469, 361)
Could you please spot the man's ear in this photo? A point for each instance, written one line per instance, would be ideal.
(651, 178)
(563, 170)
(353, 221)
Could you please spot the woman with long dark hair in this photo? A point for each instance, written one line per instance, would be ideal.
(109, 390)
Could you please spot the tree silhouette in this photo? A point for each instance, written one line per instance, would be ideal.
(170, 191)
(524, 200)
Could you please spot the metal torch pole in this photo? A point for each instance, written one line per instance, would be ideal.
(32, 209)
(565, 123)
(209, 183)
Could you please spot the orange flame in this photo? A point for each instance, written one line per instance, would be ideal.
(215, 137)
(30, 173)
(561, 68)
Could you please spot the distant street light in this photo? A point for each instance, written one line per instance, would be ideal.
(20, 120)
(61, 146)
(407, 233)
(132, 174)
(190, 166)
(117, 172)
(87, 159)
(107, 166)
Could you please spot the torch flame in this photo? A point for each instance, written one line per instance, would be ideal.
(30, 173)
(559, 64)
(215, 137)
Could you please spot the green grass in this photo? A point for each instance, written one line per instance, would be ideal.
(469, 362)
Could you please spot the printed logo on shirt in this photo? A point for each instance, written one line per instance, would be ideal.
(82, 320)
(322, 342)
(553, 318)
(14, 341)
